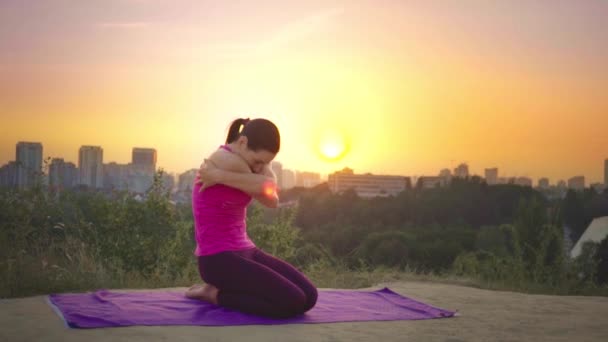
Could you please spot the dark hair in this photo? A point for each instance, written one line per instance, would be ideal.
(260, 133)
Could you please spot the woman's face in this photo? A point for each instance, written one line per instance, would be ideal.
(255, 159)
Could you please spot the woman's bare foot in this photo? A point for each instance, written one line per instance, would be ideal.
(207, 293)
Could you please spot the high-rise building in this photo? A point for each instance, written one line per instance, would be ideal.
(543, 183)
(29, 163)
(367, 185)
(577, 183)
(62, 175)
(277, 168)
(142, 169)
(90, 166)
(144, 157)
(462, 171)
(8, 175)
(289, 179)
(491, 176)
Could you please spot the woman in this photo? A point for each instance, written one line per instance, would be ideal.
(237, 274)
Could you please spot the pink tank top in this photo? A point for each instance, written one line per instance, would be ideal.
(219, 214)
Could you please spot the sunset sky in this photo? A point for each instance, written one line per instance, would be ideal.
(411, 86)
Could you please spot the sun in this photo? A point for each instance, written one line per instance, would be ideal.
(332, 150)
(332, 145)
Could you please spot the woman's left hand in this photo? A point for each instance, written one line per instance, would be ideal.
(208, 174)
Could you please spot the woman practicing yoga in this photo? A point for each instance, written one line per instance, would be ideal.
(238, 275)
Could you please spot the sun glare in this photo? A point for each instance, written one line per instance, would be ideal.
(332, 145)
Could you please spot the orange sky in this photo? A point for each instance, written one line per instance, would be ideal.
(415, 86)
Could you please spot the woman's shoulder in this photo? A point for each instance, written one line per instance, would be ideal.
(229, 161)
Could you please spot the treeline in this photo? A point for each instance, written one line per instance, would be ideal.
(423, 229)
(78, 240)
(504, 233)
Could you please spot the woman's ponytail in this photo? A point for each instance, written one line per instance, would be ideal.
(235, 130)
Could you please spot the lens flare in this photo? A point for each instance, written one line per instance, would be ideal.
(332, 145)
(269, 189)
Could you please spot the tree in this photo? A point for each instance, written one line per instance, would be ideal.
(502, 241)
(574, 214)
(531, 216)
(602, 267)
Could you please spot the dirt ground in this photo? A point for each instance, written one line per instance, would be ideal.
(483, 316)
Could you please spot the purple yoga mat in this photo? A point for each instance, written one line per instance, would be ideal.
(104, 308)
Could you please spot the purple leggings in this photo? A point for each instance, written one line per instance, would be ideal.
(255, 282)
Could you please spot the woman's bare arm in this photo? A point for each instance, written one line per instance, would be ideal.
(228, 168)
(270, 197)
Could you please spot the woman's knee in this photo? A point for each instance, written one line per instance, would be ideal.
(293, 304)
(298, 302)
(304, 303)
(311, 298)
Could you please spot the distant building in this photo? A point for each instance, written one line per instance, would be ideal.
(367, 185)
(430, 182)
(462, 171)
(289, 179)
(168, 181)
(446, 173)
(116, 176)
(523, 181)
(307, 179)
(141, 178)
(8, 175)
(507, 180)
(144, 158)
(543, 183)
(185, 184)
(446, 176)
(577, 183)
(277, 168)
(62, 174)
(142, 169)
(186, 180)
(491, 176)
(90, 166)
(598, 187)
(136, 178)
(29, 163)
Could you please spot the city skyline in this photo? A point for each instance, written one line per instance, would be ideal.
(386, 87)
(459, 170)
